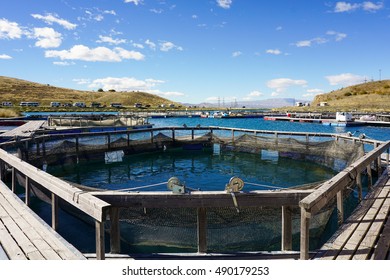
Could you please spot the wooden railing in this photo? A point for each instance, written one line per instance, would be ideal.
(334, 187)
(88, 204)
(93, 204)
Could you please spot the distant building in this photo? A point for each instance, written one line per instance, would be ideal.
(55, 104)
(6, 104)
(298, 104)
(323, 104)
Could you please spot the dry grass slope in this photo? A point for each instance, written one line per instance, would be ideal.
(16, 90)
(370, 97)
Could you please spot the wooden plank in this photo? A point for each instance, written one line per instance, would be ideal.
(37, 230)
(11, 248)
(286, 228)
(383, 245)
(357, 236)
(197, 199)
(367, 245)
(333, 246)
(28, 248)
(26, 130)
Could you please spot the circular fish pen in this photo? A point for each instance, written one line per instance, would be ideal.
(239, 213)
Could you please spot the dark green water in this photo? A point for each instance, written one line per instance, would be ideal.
(198, 169)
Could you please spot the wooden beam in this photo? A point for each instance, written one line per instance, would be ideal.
(197, 199)
(115, 235)
(305, 224)
(340, 207)
(54, 212)
(100, 246)
(286, 228)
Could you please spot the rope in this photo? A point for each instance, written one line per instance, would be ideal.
(141, 187)
(265, 186)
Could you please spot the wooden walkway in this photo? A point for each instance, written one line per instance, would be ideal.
(25, 236)
(366, 233)
(26, 130)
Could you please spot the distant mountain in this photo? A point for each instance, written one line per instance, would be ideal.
(261, 104)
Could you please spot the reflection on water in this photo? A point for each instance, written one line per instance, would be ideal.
(198, 169)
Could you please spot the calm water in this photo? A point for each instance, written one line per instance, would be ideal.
(379, 133)
(198, 169)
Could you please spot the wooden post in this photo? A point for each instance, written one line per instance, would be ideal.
(360, 186)
(173, 134)
(369, 174)
(233, 135)
(77, 149)
(192, 134)
(151, 136)
(28, 190)
(13, 181)
(128, 139)
(1, 170)
(286, 228)
(99, 235)
(54, 212)
(115, 240)
(340, 207)
(202, 230)
(108, 141)
(305, 223)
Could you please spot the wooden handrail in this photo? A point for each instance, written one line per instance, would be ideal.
(334, 187)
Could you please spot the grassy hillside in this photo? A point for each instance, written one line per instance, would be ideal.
(370, 97)
(16, 90)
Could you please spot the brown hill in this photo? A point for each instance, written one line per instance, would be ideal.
(16, 90)
(369, 97)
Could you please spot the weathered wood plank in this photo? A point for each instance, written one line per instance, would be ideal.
(383, 246)
(367, 245)
(46, 240)
(26, 130)
(11, 248)
(198, 199)
(332, 247)
(350, 248)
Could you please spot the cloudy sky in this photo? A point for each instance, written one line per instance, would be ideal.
(197, 50)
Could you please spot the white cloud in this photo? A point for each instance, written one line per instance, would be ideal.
(135, 2)
(315, 91)
(157, 11)
(82, 81)
(255, 93)
(137, 45)
(275, 51)
(338, 36)
(130, 84)
(110, 12)
(150, 44)
(47, 37)
(52, 18)
(84, 53)
(345, 79)
(236, 54)
(122, 84)
(110, 40)
(10, 30)
(282, 84)
(5, 56)
(167, 46)
(342, 7)
(330, 36)
(372, 7)
(224, 3)
(63, 63)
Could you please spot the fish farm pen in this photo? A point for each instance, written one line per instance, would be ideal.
(238, 215)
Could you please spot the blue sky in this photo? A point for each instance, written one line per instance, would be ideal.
(197, 50)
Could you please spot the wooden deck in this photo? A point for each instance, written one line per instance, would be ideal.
(25, 236)
(366, 233)
(26, 130)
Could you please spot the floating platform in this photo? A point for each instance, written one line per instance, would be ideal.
(331, 122)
